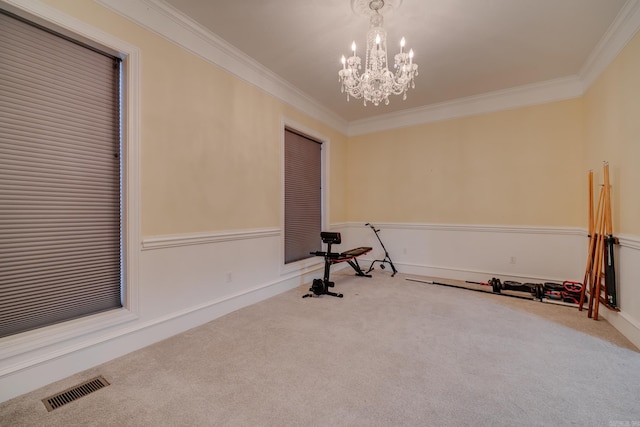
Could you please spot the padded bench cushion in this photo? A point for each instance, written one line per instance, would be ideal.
(352, 253)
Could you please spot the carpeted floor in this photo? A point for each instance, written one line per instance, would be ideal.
(392, 352)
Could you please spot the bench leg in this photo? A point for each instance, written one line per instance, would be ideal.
(354, 264)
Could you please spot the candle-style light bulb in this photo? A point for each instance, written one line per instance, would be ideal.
(402, 42)
(344, 62)
(353, 48)
(411, 56)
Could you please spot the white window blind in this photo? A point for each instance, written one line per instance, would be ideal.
(60, 186)
(303, 196)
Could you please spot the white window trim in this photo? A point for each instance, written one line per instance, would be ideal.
(49, 17)
(309, 264)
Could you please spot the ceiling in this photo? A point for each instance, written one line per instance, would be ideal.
(463, 47)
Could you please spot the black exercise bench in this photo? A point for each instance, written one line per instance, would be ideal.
(321, 286)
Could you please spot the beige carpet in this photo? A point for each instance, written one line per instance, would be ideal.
(392, 352)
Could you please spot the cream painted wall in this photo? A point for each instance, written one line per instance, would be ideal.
(210, 143)
(516, 167)
(612, 123)
(612, 127)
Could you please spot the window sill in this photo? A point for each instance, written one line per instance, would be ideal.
(63, 333)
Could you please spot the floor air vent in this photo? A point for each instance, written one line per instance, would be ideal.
(74, 393)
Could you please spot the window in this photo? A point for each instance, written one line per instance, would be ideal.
(303, 196)
(60, 178)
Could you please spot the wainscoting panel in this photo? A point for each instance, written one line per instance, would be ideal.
(627, 321)
(472, 252)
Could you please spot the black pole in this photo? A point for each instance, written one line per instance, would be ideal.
(387, 258)
(610, 270)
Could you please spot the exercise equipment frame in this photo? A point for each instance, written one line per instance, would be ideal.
(321, 286)
(386, 259)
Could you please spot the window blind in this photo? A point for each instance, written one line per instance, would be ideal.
(303, 197)
(60, 209)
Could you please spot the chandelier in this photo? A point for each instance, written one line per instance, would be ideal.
(377, 82)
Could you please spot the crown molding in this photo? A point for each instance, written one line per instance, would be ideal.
(164, 20)
(517, 97)
(623, 28)
(167, 22)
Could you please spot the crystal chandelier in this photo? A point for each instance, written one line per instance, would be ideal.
(377, 82)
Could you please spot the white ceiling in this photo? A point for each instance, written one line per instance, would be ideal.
(463, 47)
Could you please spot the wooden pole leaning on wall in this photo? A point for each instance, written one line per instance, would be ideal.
(596, 275)
(609, 274)
(592, 239)
(600, 256)
(596, 262)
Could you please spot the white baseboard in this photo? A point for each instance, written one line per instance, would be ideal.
(624, 323)
(627, 321)
(470, 275)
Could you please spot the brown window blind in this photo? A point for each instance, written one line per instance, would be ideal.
(302, 195)
(60, 186)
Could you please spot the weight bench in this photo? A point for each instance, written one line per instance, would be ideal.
(321, 286)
